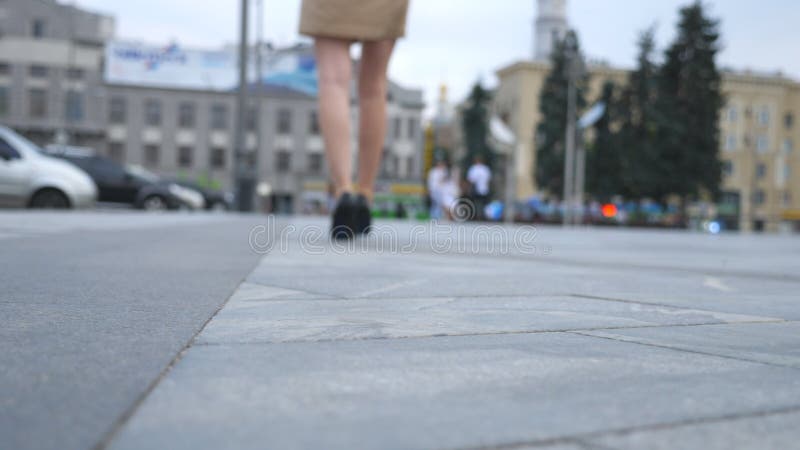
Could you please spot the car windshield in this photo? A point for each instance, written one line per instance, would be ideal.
(23, 144)
(143, 174)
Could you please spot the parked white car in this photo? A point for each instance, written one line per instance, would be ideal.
(31, 179)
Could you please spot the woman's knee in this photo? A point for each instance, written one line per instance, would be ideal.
(333, 61)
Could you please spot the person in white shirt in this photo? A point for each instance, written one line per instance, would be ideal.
(479, 177)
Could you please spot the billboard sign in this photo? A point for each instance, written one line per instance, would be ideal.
(174, 67)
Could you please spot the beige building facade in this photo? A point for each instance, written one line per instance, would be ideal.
(758, 136)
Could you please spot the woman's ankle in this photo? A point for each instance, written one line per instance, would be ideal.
(367, 193)
(345, 189)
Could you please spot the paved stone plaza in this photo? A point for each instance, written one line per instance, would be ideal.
(418, 339)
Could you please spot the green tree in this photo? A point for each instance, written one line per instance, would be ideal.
(637, 135)
(475, 126)
(551, 130)
(604, 158)
(689, 101)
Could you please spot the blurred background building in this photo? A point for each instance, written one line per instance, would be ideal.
(758, 130)
(65, 78)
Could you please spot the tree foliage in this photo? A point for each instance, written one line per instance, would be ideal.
(604, 158)
(475, 126)
(689, 102)
(638, 131)
(550, 132)
(660, 135)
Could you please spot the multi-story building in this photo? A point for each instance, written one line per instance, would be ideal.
(173, 110)
(51, 80)
(758, 135)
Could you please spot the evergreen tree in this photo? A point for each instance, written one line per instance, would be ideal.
(689, 100)
(604, 158)
(637, 135)
(475, 126)
(551, 131)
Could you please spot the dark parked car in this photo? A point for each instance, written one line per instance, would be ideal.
(215, 199)
(130, 185)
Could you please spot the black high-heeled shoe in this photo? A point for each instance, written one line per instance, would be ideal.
(343, 224)
(363, 216)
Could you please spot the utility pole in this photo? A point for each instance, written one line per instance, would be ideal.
(580, 175)
(243, 175)
(569, 157)
(260, 87)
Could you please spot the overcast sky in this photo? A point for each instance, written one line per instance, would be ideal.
(460, 41)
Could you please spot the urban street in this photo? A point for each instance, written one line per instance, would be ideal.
(191, 331)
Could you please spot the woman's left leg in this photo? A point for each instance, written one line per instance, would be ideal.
(372, 88)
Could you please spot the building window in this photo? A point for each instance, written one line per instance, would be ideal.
(788, 120)
(730, 143)
(185, 156)
(38, 71)
(38, 28)
(733, 114)
(398, 128)
(727, 168)
(3, 101)
(283, 161)
(284, 121)
(117, 110)
(787, 199)
(762, 144)
(385, 163)
(152, 113)
(116, 151)
(75, 74)
(251, 119)
(763, 116)
(217, 158)
(5, 68)
(37, 103)
(315, 163)
(313, 123)
(412, 129)
(219, 117)
(152, 155)
(761, 170)
(187, 113)
(410, 167)
(788, 145)
(74, 106)
(759, 197)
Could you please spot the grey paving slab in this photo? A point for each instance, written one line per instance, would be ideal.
(246, 320)
(775, 343)
(92, 310)
(404, 275)
(440, 393)
(770, 432)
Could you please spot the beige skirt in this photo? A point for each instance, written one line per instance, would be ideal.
(358, 20)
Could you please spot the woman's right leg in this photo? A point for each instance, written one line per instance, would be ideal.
(335, 73)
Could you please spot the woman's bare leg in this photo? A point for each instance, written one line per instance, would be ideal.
(335, 73)
(372, 86)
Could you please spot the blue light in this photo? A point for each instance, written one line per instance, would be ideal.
(714, 228)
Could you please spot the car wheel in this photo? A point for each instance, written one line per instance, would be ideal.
(50, 199)
(154, 203)
(219, 206)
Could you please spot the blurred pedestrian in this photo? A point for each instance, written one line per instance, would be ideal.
(448, 193)
(435, 177)
(479, 177)
(335, 25)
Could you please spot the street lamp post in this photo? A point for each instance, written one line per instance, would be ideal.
(569, 150)
(257, 110)
(244, 175)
